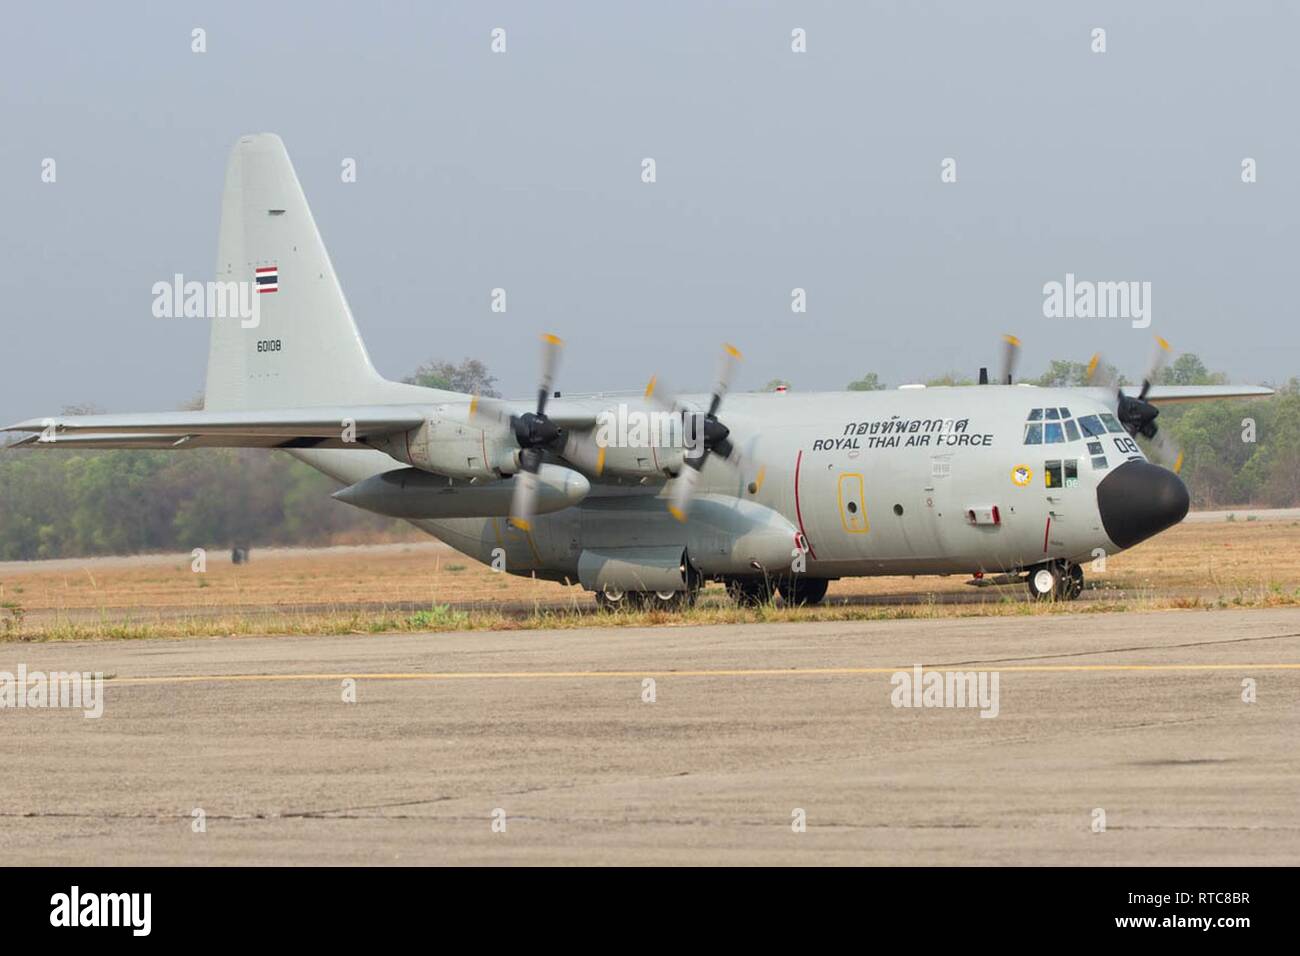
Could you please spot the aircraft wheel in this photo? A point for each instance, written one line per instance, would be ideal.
(613, 599)
(799, 592)
(1044, 582)
(667, 600)
(1071, 582)
(749, 592)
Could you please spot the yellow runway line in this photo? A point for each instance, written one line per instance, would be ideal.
(659, 672)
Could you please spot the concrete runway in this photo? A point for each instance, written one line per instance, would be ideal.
(1139, 714)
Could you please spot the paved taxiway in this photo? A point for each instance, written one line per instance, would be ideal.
(1138, 714)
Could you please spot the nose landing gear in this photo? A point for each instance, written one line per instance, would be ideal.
(1055, 581)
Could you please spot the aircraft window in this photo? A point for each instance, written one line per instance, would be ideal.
(1052, 414)
(1052, 474)
(1099, 462)
(1094, 448)
(1071, 472)
(1091, 425)
(1053, 434)
(1071, 432)
(853, 507)
(1033, 434)
(1065, 413)
(1112, 424)
(1035, 414)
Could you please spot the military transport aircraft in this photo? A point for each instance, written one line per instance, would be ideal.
(642, 500)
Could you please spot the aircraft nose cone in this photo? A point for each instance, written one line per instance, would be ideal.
(1139, 499)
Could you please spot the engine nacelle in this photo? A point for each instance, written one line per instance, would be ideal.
(454, 449)
(413, 493)
(621, 461)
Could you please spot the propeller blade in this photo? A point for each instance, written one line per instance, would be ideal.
(551, 348)
(682, 491)
(714, 435)
(660, 393)
(1159, 356)
(523, 500)
(488, 413)
(1010, 358)
(1166, 451)
(730, 358)
(1100, 374)
(582, 448)
(752, 472)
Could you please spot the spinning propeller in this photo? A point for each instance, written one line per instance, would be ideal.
(1010, 358)
(1135, 413)
(533, 431)
(713, 437)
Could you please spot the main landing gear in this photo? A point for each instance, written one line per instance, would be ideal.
(616, 600)
(747, 592)
(795, 591)
(1055, 581)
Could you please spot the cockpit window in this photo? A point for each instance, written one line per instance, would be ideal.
(1052, 426)
(1091, 425)
(1112, 424)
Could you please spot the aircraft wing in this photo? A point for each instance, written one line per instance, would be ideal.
(1165, 394)
(273, 428)
(314, 427)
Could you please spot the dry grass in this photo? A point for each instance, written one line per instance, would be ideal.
(426, 587)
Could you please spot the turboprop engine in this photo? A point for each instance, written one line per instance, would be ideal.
(447, 447)
(652, 458)
(413, 493)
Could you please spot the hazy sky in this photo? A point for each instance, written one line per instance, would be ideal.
(775, 170)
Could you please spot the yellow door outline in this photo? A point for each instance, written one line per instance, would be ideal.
(853, 523)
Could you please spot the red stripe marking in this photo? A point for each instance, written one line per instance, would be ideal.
(797, 512)
(1046, 532)
(267, 269)
(268, 289)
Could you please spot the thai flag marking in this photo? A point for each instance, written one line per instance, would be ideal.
(268, 278)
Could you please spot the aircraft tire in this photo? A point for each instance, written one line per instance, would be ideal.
(1071, 583)
(749, 592)
(1044, 582)
(612, 601)
(803, 592)
(666, 600)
